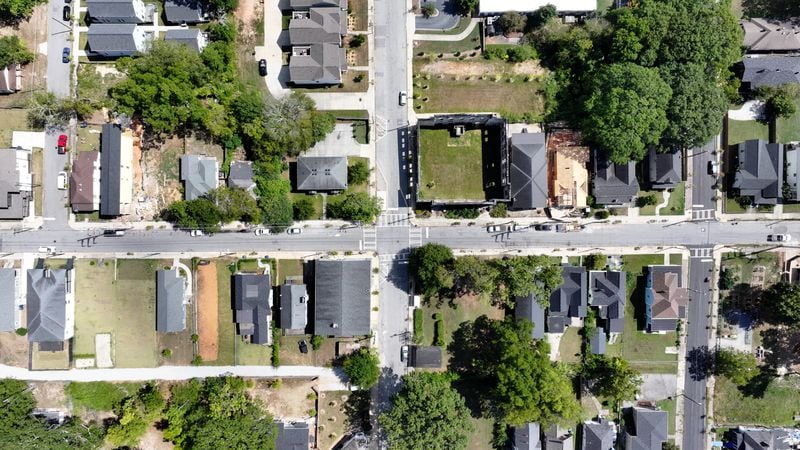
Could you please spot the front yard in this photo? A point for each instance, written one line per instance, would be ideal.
(777, 405)
(13, 120)
(464, 309)
(675, 204)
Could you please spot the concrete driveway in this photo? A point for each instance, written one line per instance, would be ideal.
(446, 19)
(658, 386)
(277, 75)
(339, 142)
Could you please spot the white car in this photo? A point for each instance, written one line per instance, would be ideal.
(47, 249)
(294, 231)
(403, 98)
(195, 233)
(494, 228)
(261, 231)
(779, 238)
(404, 353)
(62, 180)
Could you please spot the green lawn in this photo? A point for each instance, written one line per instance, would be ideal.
(253, 354)
(463, 23)
(121, 302)
(743, 267)
(13, 120)
(732, 206)
(791, 208)
(344, 114)
(669, 407)
(481, 436)
(676, 203)
(451, 168)
(471, 43)
(649, 210)
(788, 128)
(777, 405)
(288, 268)
(466, 309)
(742, 130)
(360, 132)
(570, 346)
(675, 258)
(89, 138)
(98, 395)
(316, 200)
(603, 5)
(227, 328)
(636, 263)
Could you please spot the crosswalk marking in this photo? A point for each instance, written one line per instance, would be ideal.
(705, 252)
(415, 237)
(702, 214)
(393, 220)
(402, 256)
(370, 238)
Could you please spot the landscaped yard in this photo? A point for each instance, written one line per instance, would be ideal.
(471, 43)
(776, 406)
(13, 120)
(742, 130)
(669, 407)
(466, 309)
(451, 168)
(742, 267)
(674, 206)
(119, 300)
(570, 346)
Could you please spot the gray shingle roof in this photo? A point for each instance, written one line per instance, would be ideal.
(527, 437)
(47, 305)
(760, 171)
(108, 38)
(556, 438)
(664, 169)
(771, 71)
(241, 175)
(597, 342)
(568, 300)
(429, 357)
(763, 438)
(294, 306)
(342, 297)
(607, 291)
(170, 309)
(199, 174)
(81, 181)
(8, 298)
(317, 26)
(529, 188)
(184, 11)
(598, 435)
(321, 173)
(649, 430)
(14, 199)
(317, 64)
(300, 5)
(528, 308)
(292, 436)
(110, 169)
(764, 35)
(112, 11)
(189, 37)
(252, 295)
(614, 184)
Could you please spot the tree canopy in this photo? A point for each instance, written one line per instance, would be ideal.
(198, 213)
(134, 416)
(784, 302)
(235, 204)
(430, 266)
(739, 367)
(292, 125)
(427, 413)
(363, 368)
(14, 11)
(14, 51)
(611, 377)
(356, 206)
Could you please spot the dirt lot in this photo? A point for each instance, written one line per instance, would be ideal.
(49, 394)
(153, 439)
(34, 33)
(290, 401)
(13, 350)
(443, 67)
(207, 311)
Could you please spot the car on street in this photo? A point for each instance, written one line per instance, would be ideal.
(494, 229)
(195, 233)
(404, 353)
(544, 227)
(67, 14)
(713, 168)
(294, 231)
(61, 146)
(62, 180)
(516, 227)
(262, 67)
(47, 249)
(403, 98)
(113, 232)
(65, 55)
(779, 238)
(261, 231)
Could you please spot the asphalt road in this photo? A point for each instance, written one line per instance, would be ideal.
(703, 203)
(54, 209)
(446, 19)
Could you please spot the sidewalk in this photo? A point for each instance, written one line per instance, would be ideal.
(448, 37)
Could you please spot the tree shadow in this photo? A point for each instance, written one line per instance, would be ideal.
(699, 362)
(356, 409)
(777, 9)
(466, 349)
(756, 387)
(782, 345)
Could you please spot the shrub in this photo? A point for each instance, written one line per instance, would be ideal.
(166, 353)
(276, 384)
(195, 338)
(499, 210)
(462, 213)
(646, 200)
(358, 173)
(439, 331)
(727, 280)
(602, 214)
(357, 41)
(21, 331)
(276, 346)
(303, 209)
(316, 341)
(419, 323)
(197, 360)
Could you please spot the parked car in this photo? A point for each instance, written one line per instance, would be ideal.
(67, 14)
(544, 227)
(403, 98)
(62, 180)
(195, 233)
(261, 231)
(404, 353)
(61, 146)
(65, 55)
(262, 67)
(113, 232)
(294, 231)
(779, 238)
(47, 249)
(493, 229)
(713, 168)
(516, 227)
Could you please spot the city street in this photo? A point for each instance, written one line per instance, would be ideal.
(703, 192)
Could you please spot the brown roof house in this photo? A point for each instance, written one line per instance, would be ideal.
(569, 177)
(665, 299)
(84, 182)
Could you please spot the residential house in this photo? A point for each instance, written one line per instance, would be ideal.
(567, 301)
(170, 301)
(315, 38)
(770, 36)
(529, 189)
(757, 438)
(190, 37)
(240, 175)
(770, 71)
(645, 428)
(557, 438)
(51, 306)
(118, 11)
(114, 40)
(597, 342)
(321, 173)
(526, 437)
(116, 170)
(665, 298)
(759, 173)
(317, 64)
(16, 184)
(599, 435)
(569, 177)
(8, 298)
(564, 7)
(252, 304)
(199, 175)
(608, 293)
(188, 12)
(342, 294)
(426, 357)
(792, 168)
(614, 184)
(292, 436)
(10, 79)
(664, 169)
(84, 182)
(294, 308)
(529, 309)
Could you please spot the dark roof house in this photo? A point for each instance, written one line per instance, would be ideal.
(568, 300)
(756, 438)
(302, 5)
(342, 297)
(8, 298)
(51, 304)
(530, 309)
(770, 71)
(318, 26)
(646, 429)
(190, 37)
(664, 169)
(556, 438)
(241, 175)
(429, 357)
(16, 189)
(760, 171)
(527, 437)
(84, 182)
(294, 306)
(321, 173)
(170, 297)
(607, 292)
(292, 436)
(599, 435)
(597, 342)
(252, 304)
(614, 184)
(317, 64)
(529, 188)
(664, 299)
(112, 40)
(118, 11)
(199, 175)
(184, 11)
(770, 36)
(116, 171)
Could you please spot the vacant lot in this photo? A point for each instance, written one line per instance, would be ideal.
(776, 405)
(117, 297)
(335, 416)
(742, 130)
(226, 345)
(13, 350)
(13, 120)
(98, 395)
(207, 311)
(293, 399)
(290, 351)
(463, 309)
(451, 168)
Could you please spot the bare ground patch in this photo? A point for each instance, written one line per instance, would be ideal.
(470, 68)
(13, 350)
(207, 312)
(153, 439)
(291, 400)
(49, 394)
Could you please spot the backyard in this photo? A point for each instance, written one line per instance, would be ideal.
(457, 160)
(117, 297)
(762, 406)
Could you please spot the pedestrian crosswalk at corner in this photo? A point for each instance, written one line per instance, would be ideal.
(702, 214)
(370, 238)
(415, 237)
(393, 220)
(706, 252)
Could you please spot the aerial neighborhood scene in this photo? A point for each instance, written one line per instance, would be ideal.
(411, 225)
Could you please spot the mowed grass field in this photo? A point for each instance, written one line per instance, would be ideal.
(121, 302)
(775, 406)
(450, 168)
(226, 342)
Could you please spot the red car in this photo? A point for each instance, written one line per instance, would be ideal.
(62, 144)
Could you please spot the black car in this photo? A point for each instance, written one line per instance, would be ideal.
(65, 55)
(262, 67)
(543, 227)
(303, 347)
(67, 14)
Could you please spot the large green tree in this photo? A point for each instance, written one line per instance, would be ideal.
(427, 413)
(292, 125)
(626, 110)
(524, 275)
(356, 206)
(783, 301)
(273, 194)
(14, 11)
(235, 204)
(198, 213)
(509, 375)
(14, 51)
(611, 377)
(739, 367)
(363, 368)
(134, 416)
(473, 275)
(431, 267)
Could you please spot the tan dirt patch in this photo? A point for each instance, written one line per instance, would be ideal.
(50, 394)
(246, 12)
(153, 439)
(207, 312)
(481, 68)
(33, 33)
(13, 350)
(288, 401)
